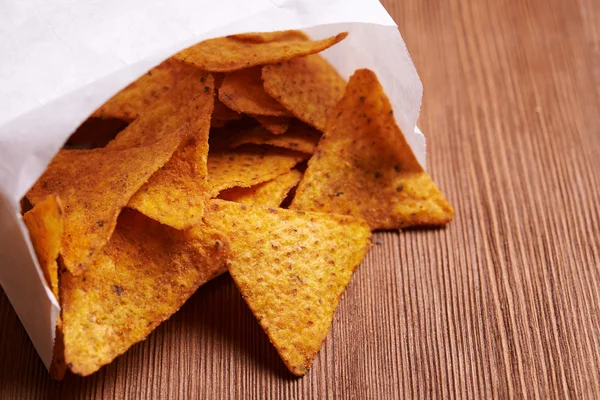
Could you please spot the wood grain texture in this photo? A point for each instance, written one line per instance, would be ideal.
(503, 303)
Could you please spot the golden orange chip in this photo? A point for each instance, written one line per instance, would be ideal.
(176, 193)
(308, 86)
(45, 223)
(248, 166)
(142, 277)
(243, 91)
(299, 137)
(228, 54)
(291, 267)
(132, 101)
(267, 194)
(223, 114)
(94, 185)
(265, 37)
(275, 125)
(364, 167)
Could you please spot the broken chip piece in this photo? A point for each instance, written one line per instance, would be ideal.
(299, 137)
(176, 193)
(248, 166)
(308, 86)
(45, 223)
(364, 167)
(229, 54)
(267, 194)
(94, 185)
(292, 268)
(275, 125)
(243, 91)
(141, 278)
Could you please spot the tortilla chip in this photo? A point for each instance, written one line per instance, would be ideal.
(275, 125)
(229, 54)
(142, 277)
(94, 185)
(364, 167)
(175, 195)
(131, 102)
(299, 137)
(291, 268)
(267, 194)
(223, 114)
(308, 86)
(243, 91)
(265, 37)
(45, 223)
(248, 166)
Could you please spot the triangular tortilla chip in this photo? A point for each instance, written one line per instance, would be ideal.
(243, 91)
(141, 278)
(299, 137)
(45, 223)
(291, 268)
(229, 54)
(364, 167)
(131, 102)
(309, 87)
(248, 166)
(267, 194)
(275, 125)
(94, 185)
(176, 193)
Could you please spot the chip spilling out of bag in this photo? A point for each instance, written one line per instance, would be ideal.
(364, 167)
(291, 267)
(142, 277)
(248, 154)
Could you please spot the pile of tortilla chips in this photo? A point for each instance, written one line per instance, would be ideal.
(248, 154)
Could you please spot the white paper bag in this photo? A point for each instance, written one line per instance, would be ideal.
(61, 59)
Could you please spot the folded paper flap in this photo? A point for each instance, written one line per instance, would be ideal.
(63, 59)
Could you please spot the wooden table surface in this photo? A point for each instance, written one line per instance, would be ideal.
(505, 302)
